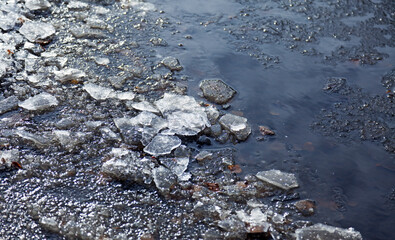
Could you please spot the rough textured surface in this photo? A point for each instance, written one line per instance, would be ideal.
(215, 90)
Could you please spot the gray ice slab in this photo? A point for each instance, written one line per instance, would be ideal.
(236, 125)
(42, 101)
(37, 31)
(162, 145)
(279, 179)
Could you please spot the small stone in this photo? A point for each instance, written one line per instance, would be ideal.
(325, 232)
(279, 179)
(172, 63)
(69, 74)
(34, 5)
(215, 90)
(42, 101)
(266, 131)
(8, 104)
(162, 145)
(305, 207)
(37, 31)
(236, 125)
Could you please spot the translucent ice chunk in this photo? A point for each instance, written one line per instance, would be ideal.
(164, 179)
(325, 232)
(33, 5)
(236, 125)
(162, 145)
(145, 106)
(178, 166)
(279, 179)
(41, 101)
(186, 123)
(99, 92)
(7, 157)
(102, 93)
(37, 31)
(185, 116)
(126, 165)
(255, 218)
(69, 74)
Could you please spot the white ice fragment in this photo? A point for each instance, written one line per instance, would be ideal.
(37, 31)
(145, 106)
(162, 145)
(144, 119)
(164, 179)
(236, 125)
(137, 5)
(125, 95)
(7, 157)
(41, 101)
(326, 232)
(178, 166)
(279, 179)
(102, 93)
(255, 219)
(184, 114)
(33, 5)
(69, 74)
(78, 6)
(63, 136)
(102, 61)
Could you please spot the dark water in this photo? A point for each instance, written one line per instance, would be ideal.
(351, 179)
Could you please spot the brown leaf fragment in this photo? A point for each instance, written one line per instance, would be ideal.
(17, 165)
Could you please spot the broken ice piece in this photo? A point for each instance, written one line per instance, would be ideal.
(69, 74)
(164, 179)
(236, 125)
(178, 166)
(34, 5)
(279, 179)
(325, 232)
(102, 93)
(98, 92)
(37, 31)
(162, 145)
(256, 220)
(145, 106)
(102, 61)
(7, 157)
(8, 104)
(42, 101)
